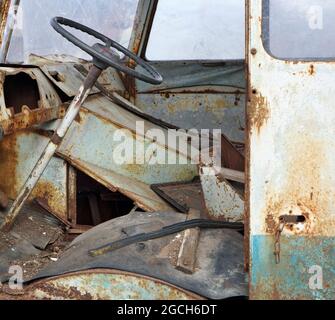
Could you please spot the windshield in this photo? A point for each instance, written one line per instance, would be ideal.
(33, 34)
(198, 30)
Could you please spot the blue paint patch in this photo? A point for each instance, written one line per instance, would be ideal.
(295, 277)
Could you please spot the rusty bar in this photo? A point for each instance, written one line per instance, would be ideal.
(4, 11)
(51, 148)
(28, 118)
(6, 42)
(72, 196)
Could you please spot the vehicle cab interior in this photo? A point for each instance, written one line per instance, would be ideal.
(149, 148)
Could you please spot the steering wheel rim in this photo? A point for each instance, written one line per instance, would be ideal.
(154, 77)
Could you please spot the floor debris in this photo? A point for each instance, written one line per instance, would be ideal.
(36, 239)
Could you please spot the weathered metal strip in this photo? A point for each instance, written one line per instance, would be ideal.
(106, 285)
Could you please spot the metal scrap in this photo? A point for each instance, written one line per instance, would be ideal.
(187, 256)
(31, 238)
(183, 196)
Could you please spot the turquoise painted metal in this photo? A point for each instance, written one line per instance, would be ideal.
(106, 285)
(298, 276)
(92, 145)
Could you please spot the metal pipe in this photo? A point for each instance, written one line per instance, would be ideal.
(10, 30)
(51, 148)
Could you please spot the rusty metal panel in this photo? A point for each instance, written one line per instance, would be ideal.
(106, 285)
(291, 172)
(198, 109)
(20, 150)
(48, 96)
(90, 146)
(48, 107)
(18, 155)
(183, 196)
(221, 199)
(213, 196)
(66, 74)
(195, 94)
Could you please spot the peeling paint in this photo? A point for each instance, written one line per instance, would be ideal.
(291, 171)
(258, 111)
(106, 285)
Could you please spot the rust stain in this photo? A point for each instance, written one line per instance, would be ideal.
(51, 197)
(311, 70)
(4, 11)
(61, 292)
(135, 169)
(172, 108)
(8, 165)
(219, 104)
(261, 290)
(304, 192)
(54, 289)
(258, 111)
(270, 222)
(27, 118)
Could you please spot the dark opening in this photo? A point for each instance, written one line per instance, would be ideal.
(58, 77)
(55, 75)
(61, 94)
(293, 219)
(97, 204)
(21, 90)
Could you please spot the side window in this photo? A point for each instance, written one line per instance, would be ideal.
(299, 29)
(198, 30)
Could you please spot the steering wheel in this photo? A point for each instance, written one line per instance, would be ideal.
(104, 56)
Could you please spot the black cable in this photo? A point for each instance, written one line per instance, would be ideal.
(166, 231)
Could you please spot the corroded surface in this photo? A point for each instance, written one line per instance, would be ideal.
(106, 285)
(291, 170)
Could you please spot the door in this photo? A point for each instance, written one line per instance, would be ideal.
(291, 163)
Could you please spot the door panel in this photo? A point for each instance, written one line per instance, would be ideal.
(291, 168)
